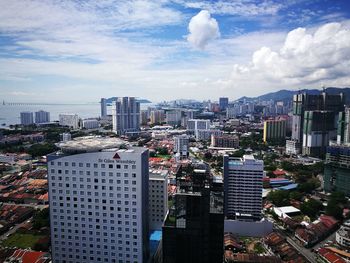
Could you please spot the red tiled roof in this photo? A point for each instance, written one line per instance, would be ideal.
(330, 256)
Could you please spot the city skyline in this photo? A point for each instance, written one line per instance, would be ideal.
(79, 51)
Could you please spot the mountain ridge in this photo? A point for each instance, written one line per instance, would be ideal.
(287, 95)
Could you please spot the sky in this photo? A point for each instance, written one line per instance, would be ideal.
(80, 51)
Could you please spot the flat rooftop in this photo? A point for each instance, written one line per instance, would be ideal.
(90, 144)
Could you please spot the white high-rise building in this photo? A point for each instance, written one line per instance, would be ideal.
(243, 187)
(26, 118)
(99, 201)
(70, 120)
(90, 124)
(205, 135)
(347, 126)
(173, 118)
(42, 116)
(126, 115)
(158, 198)
(198, 124)
(103, 108)
(181, 145)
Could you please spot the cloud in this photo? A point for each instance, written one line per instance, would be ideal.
(237, 7)
(203, 28)
(321, 57)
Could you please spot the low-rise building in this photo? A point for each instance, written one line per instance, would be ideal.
(343, 235)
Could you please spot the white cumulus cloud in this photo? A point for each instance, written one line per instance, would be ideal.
(306, 58)
(203, 28)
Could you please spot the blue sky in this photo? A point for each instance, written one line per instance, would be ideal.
(79, 51)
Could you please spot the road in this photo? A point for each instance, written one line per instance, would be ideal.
(310, 256)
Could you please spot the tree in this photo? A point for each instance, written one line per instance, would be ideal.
(333, 209)
(162, 151)
(295, 195)
(207, 155)
(41, 219)
(41, 149)
(279, 197)
(311, 208)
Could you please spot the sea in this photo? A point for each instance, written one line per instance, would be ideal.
(10, 113)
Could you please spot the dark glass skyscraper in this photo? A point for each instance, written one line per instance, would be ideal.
(193, 229)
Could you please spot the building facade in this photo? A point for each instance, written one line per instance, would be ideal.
(243, 188)
(158, 198)
(342, 236)
(173, 118)
(303, 107)
(225, 141)
(193, 228)
(157, 116)
(197, 124)
(98, 201)
(274, 130)
(223, 103)
(90, 124)
(205, 135)
(181, 145)
(336, 174)
(70, 120)
(26, 118)
(42, 116)
(103, 108)
(126, 115)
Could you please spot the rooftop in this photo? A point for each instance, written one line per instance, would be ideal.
(90, 144)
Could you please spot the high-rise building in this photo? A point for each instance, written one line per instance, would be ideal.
(158, 198)
(42, 116)
(243, 188)
(70, 120)
(181, 145)
(318, 129)
(157, 116)
(225, 141)
(274, 130)
(323, 102)
(98, 201)
(347, 126)
(126, 115)
(90, 124)
(336, 175)
(187, 115)
(103, 108)
(144, 117)
(197, 124)
(194, 226)
(26, 118)
(223, 103)
(173, 118)
(205, 135)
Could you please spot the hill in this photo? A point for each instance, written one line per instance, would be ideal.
(287, 95)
